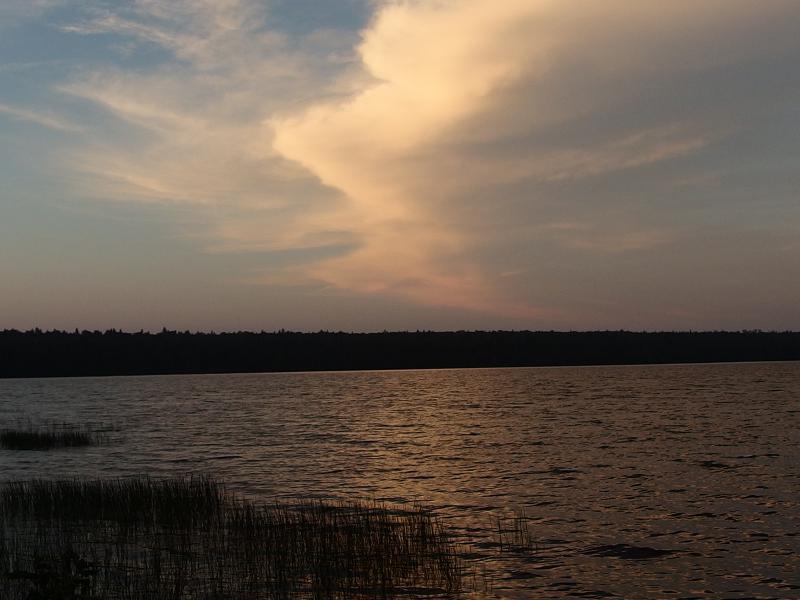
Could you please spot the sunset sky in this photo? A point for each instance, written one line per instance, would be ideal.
(400, 164)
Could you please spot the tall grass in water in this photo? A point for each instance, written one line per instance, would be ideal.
(142, 539)
(48, 437)
(515, 536)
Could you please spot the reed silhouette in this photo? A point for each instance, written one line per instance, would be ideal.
(51, 436)
(189, 538)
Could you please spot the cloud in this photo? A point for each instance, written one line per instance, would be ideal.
(443, 151)
(467, 96)
(40, 118)
(194, 135)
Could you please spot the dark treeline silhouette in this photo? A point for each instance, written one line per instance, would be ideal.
(39, 353)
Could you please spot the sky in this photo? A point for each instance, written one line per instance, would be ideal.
(367, 165)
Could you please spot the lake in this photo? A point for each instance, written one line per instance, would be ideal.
(637, 482)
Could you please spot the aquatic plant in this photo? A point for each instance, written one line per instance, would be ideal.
(189, 538)
(47, 437)
(514, 535)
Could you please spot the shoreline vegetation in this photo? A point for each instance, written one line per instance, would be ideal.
(38, 353)
(51, 436)
(189, 538)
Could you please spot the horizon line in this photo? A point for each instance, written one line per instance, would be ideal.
(282, 331)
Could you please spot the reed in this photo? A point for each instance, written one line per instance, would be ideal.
(48, 437)
(188, 538)
(514, 534)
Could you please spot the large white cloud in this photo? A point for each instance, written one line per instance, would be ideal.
(462, 150)
(483, 101)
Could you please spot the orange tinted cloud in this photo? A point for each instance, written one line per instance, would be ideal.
(452, 124)
(401, 150)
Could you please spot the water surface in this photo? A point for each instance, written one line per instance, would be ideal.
(638, 482)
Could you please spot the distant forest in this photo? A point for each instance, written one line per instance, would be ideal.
(39, 353)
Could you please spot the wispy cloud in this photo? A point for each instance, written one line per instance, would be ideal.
(44, 119)
(198, 120)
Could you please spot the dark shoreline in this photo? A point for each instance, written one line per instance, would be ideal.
(39, 353)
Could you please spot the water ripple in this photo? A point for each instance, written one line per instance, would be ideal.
(635, 482)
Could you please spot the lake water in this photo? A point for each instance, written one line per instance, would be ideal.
(611, 465)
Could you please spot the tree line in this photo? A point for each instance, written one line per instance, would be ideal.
(38, 353)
